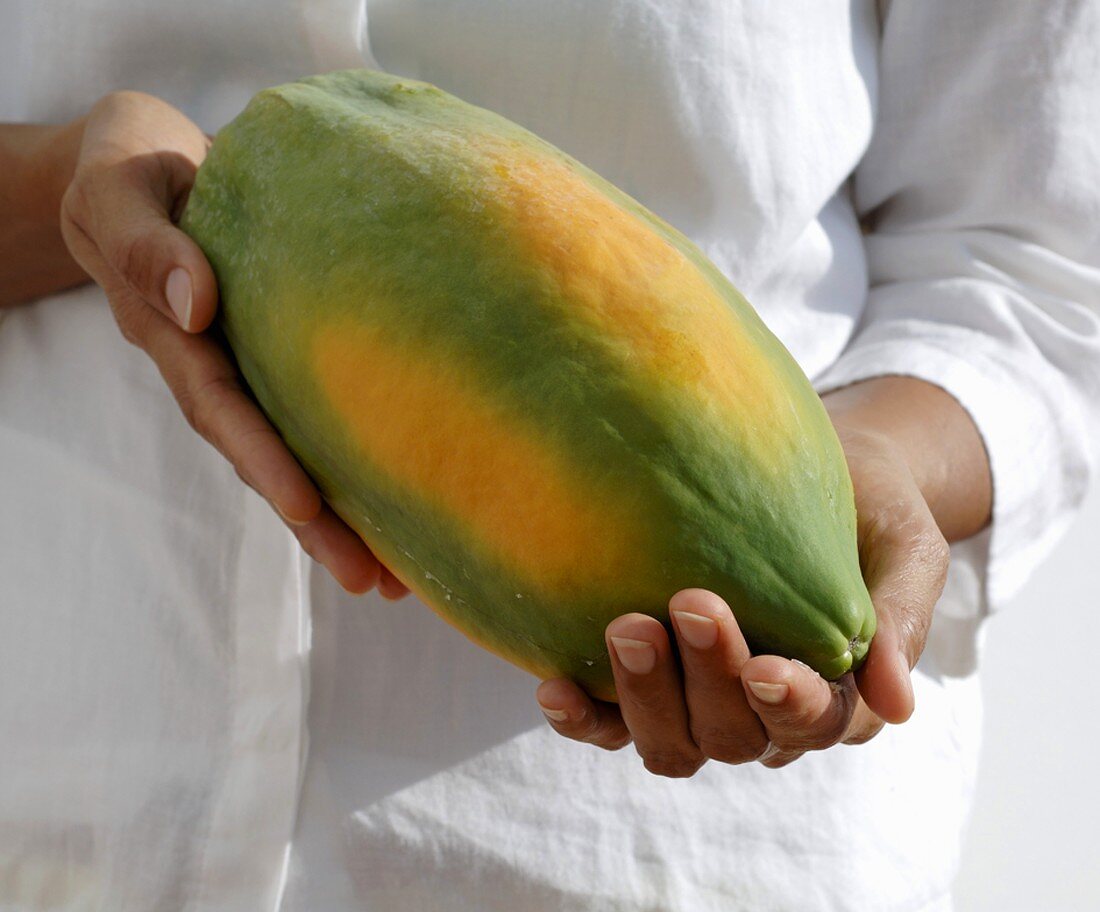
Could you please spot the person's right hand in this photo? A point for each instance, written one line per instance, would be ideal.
(135, 167)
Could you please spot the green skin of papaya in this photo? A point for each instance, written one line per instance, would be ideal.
(353, 199)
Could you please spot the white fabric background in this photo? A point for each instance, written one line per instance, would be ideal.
(1031, 841)
(161, 638)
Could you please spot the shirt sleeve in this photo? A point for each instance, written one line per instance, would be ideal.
(980, 200)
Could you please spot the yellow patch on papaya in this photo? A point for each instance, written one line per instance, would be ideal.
(423, 421)
(649, 306)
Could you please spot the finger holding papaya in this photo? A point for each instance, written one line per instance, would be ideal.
(134, 167)
(710, 699)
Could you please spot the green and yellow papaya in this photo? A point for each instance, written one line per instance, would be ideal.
(537, 402)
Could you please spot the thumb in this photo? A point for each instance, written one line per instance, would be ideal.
(116, 219)
(167, 269)
(906, 566)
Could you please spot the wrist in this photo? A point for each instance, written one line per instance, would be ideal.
(37, 163)
(48, 161)
(928, 432)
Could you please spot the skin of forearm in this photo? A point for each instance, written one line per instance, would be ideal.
(36, 166)
(935, 436)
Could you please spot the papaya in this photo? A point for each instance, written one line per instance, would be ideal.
(537, 402)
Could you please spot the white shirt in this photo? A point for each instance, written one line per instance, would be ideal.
(193, 718)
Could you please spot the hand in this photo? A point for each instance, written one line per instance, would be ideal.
(135, 165)
(721, 703)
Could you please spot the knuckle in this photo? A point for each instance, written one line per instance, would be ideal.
(254, 439)
(592, 731)
(865, 734)
(615, 742)
(865, 725)
(781, 759)
(202, 412)
(248, 482)
(133, 321)
(801, 744)
(799, 722)
(645, 701)
(810, 738)
(838, 720)
(202, 405)
(186, 402)
(726, 747)
(586, 729)
(672, 764)
(834, 731)
(129, 334)
(306, 544)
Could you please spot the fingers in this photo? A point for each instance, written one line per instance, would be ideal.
(864, 725)
(906, 567)
(800, 710)
(574, 714)
(680, 717)
(329, 541)
(883, 679)
(390, 587)
(651, 696)
(741, 706)
(207, 387)
(117, 226)
(137, 162)
(713, 652)
(716, 703)
(903, 556)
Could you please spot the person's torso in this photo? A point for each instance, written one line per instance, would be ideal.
(432, 778)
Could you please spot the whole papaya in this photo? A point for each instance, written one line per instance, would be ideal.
(539, 404)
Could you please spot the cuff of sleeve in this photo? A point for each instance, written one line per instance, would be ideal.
(1037, 480)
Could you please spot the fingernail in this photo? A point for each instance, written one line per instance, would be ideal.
(557, 715)
(293, 522)
(361, 589)
(769, 693)
(178, 292)
(636, 656)
(697, 630)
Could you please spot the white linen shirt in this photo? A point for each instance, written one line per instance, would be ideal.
(194, 718)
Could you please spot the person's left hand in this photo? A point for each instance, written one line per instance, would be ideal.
(721, 703)
(130, 164)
